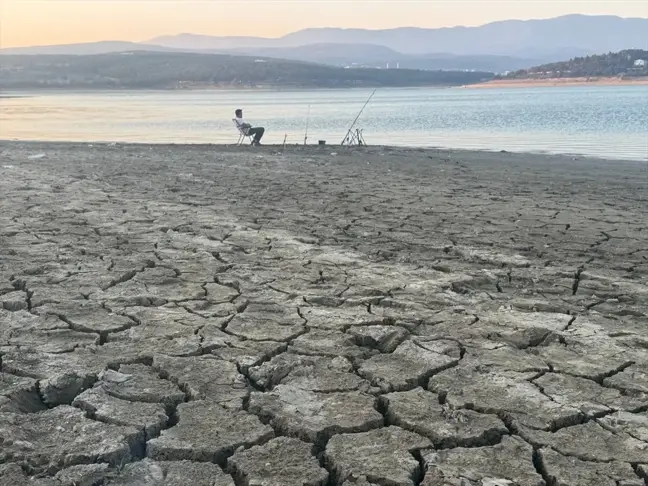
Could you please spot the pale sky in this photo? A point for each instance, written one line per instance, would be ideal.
(47, 22)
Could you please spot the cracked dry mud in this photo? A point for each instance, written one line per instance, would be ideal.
(194, 315)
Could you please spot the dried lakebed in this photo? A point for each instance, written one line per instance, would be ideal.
(200, 315)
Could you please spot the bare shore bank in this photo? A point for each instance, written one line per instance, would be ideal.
(563, 82)
(325, 316)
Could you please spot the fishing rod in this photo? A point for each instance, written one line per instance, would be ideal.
(357, 117)
(307, 120)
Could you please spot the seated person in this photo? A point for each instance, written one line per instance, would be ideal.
(248, 129)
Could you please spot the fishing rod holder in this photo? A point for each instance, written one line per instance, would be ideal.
(354, 137)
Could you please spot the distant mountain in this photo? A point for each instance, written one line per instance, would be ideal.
(498, 47)
(85, 49)
(559, 38)
(158, 70)
(627, 63)
(330, 53)
(210, 42)
(370, 55)
(341, 55)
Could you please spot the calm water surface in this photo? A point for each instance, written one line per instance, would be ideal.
(606, 121)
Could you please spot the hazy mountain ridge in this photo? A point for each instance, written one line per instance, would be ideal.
(369, 55)
(85, 49)
(499, 47)
(341, 55)
(570, 34)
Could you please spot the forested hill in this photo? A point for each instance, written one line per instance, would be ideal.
(624, 63)
(154, 70)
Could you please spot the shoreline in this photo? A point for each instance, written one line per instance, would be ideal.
(495, 83)
(314, 148)
(36, 90)
(559, 82)
(513, 83)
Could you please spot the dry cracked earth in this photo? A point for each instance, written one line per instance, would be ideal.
(212, 316)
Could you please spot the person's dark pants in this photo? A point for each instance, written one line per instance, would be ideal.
(257, 133)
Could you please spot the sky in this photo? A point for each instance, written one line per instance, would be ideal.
(49, 22)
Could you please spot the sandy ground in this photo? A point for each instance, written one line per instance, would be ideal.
(205, 315)
(533, 83)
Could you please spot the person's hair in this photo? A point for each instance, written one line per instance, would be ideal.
(239, 111)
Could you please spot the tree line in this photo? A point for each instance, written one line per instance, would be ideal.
(612, 64)
(153, 70)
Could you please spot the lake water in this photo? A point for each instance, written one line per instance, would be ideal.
(605, 121)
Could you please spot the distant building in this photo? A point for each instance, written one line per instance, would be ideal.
(640, 63)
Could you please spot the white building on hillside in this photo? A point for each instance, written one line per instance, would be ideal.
(640, 63)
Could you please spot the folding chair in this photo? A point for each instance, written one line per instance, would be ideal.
(242, 134)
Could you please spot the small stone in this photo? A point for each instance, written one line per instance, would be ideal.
(282, 461)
